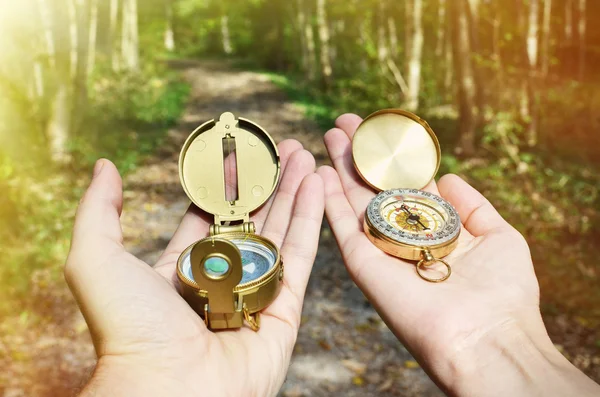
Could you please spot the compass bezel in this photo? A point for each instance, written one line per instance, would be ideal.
(448, 233)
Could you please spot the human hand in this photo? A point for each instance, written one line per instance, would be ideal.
(478, 333)
(148, 340)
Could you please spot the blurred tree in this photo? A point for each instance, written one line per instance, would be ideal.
(582, 33)
(323, 26)
(546, 33)
(91, 62)
(225, 35)
(467, 106)
(113, 34)
(169, 34)
(532, 56)
(415, 55)
(129, 36)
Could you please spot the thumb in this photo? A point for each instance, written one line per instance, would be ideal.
(97, 235)
(97, 224)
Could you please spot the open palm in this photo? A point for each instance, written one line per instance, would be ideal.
(493, 288)
(143, 329)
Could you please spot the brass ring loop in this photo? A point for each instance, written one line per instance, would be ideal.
(422, 263)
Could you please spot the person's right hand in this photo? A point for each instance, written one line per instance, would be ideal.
(478, 333)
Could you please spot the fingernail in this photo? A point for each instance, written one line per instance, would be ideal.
(98, 167)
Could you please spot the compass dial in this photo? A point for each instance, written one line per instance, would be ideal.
(413, 217)
(257, 260)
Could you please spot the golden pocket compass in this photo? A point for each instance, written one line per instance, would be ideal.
(229, 168)
(396, 153)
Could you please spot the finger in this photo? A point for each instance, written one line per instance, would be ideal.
(477, 214)
(346, 226)
(195, 223)
(348, 122)
(286, 149)
(276, 225)
(340, 151)
(300, 246)
(97, 230)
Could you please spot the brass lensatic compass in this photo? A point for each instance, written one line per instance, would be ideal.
(396, 153)
(229, 168)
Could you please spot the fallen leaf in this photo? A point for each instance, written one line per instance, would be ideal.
(324, 345)
(355, 366)
(411, 364)
(358, 381)
(385, 386)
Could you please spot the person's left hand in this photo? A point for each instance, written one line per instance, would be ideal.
(148, 340)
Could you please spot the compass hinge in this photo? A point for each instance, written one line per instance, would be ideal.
(246, 227)
(234, 319)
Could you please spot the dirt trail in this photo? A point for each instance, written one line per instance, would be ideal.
(343, 347)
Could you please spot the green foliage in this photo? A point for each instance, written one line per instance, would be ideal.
(127, 118)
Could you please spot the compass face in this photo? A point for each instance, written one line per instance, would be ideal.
(413, 217)
(257, 260)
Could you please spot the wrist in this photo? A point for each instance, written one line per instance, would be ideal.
(513, 360)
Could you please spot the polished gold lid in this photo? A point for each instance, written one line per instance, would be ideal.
(394, 148)
(235, 146)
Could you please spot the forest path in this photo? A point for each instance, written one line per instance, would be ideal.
(343, 346)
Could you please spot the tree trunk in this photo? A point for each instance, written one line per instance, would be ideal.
(225, 38)
(532, 55)
(324, 39)
(60, 124)
(113, 33)
(582, 32)
(169, 34)
(312, 55)
(362, 40)
(546, 37)
(46, 19)
(414, 61)
(448, 62)
(73, 36)
(91, 62)
(569, 21)
(475, 46)
(408, 33)
(80, 94)
(130, 40)
(58, 129)
(497, 57)
(440, 40)
(464, 76)
(301, 20)
(393, 35)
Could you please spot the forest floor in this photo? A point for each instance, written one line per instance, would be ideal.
(343, 346)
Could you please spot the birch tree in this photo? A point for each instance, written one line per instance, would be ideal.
(414, 60)
(92, 36)
(582, 33)
(225, 37)
(113, 35)
(467, 105)
(532, 56)
(129, 33)
(324, 35)
(569, 21)
(441, 24)
(169, 34)
(546, 37)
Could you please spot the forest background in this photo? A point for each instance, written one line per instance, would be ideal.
(509, 86)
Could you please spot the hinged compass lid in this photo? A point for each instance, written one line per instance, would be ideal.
(394, 148)
(232, 147)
